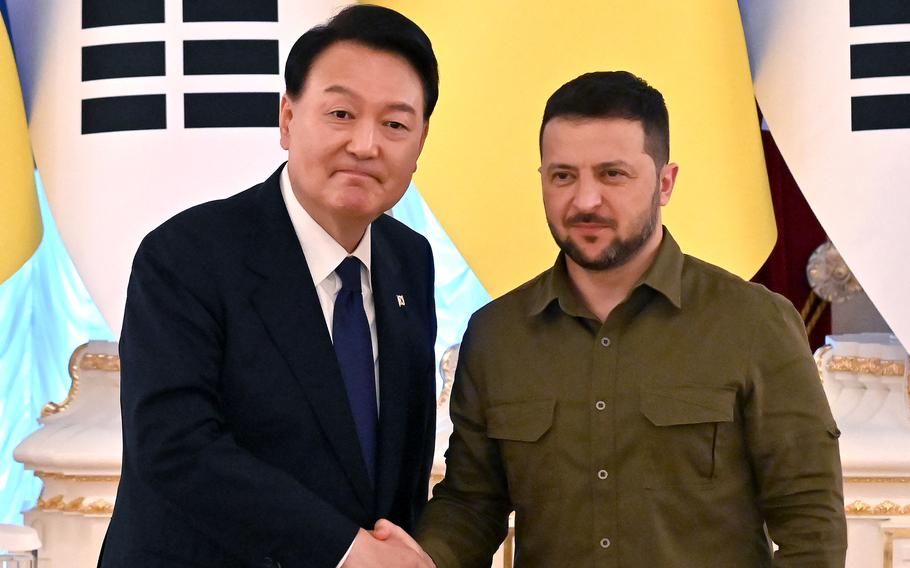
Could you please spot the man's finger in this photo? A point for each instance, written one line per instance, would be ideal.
(383, 529)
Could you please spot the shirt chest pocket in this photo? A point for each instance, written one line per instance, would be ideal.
(523, 432)
(683, 430)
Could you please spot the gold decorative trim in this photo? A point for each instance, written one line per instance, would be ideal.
(85, 361)
(51, 504)
(876, 479)
(69, 477)
(100, 362)
(77, 505)
(73, 506)
(866, 365)
(885, 508)
(892, 534)
(819, 354)
(53, 407)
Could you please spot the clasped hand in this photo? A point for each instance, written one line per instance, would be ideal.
(387, 545)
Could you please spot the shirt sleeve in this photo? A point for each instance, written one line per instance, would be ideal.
(792, 443)
(467, 518)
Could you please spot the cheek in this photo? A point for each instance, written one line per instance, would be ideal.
(401, 165)
(555, 204)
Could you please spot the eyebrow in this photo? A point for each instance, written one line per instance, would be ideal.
(602, 165)
(341, 90)
(552, 167)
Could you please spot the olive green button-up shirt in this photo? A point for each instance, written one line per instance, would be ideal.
(667, 436)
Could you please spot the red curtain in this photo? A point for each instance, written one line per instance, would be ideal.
(798, 235)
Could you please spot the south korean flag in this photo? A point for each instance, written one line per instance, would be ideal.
(832, 78)
(139, 109)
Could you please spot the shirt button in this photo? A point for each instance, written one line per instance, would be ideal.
(600, 405)
(605, 543)
(605, 341)
(602, 474)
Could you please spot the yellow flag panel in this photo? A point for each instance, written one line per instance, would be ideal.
(20, 218)
(500, 61)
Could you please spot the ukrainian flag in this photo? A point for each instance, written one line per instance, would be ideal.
(20, 218)
(500, 61)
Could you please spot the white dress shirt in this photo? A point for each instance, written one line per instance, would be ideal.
(323, 255)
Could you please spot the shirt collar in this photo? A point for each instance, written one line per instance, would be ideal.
(323, 253)
(665, 273)
(664, 276)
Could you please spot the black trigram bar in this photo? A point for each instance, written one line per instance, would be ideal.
(879, 60)
(114, 114)
(100, 13)
(230, 110)
(117, 60)
(230, 10)
(230, 57)
(881, 112)
(879, 12)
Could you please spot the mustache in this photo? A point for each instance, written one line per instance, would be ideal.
(589, 218)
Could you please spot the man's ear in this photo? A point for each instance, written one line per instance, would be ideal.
(667, 180)
(285, 115)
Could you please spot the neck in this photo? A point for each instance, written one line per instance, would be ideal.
(348, 235)
(602, 290)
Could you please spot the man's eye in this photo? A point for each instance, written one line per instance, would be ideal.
(614, 173)
(340, 114)
(396, 125)
(562, 176)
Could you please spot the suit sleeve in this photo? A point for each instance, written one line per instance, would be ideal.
(176, 439)
(467, 518)
(792, 444)
(429, 427)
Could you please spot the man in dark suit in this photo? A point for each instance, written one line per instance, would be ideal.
(277, 346)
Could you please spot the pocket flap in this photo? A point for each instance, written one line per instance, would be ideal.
(687, 404)
(524, 421)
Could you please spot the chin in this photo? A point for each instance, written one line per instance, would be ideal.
(358, 208)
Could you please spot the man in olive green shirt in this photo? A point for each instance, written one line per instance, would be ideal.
(636, 407)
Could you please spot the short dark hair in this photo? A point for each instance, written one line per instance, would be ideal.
(615, 94)
(372, 26)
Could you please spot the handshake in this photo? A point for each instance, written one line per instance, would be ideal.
(386, 545)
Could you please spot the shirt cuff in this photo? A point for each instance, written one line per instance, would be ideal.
(346, 554)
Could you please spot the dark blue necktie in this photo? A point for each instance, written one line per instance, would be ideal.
(354, 350)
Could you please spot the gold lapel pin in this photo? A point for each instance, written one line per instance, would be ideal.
(400, 300)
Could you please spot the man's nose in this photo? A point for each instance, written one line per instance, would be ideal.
(363, 140)
(588, 195)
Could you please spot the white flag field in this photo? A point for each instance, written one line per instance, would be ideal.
(139, 110)
(832, 79)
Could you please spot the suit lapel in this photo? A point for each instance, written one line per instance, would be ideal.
(393, 331)
(287, 303)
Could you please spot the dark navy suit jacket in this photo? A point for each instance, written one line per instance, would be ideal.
(239, 448)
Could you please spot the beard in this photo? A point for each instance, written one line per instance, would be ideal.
(620, 250)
